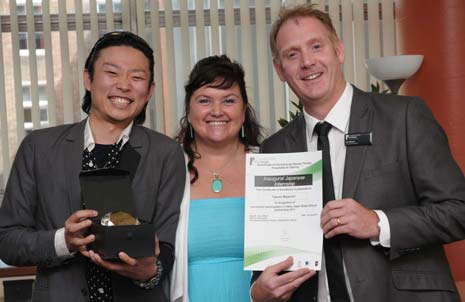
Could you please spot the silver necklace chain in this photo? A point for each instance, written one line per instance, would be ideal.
(217, 182)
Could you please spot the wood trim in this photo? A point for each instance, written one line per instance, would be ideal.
(17, 271)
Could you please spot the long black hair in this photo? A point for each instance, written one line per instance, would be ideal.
(117, 38)
(222, 73)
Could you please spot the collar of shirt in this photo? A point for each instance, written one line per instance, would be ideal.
(89, 141)
(338, 116)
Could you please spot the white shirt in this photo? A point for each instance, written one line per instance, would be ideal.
(89, 143)
(339, 117)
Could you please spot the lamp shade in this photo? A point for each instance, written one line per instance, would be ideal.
(394, 67)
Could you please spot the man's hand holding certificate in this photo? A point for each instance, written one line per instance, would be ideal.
(282, 212)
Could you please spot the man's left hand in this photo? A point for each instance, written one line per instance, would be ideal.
(137, 269)
(140, 269)
(347, 216)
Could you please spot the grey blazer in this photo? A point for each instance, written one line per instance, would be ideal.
(43, 191)
(410, 174)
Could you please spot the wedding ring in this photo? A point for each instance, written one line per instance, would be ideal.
(338, 221)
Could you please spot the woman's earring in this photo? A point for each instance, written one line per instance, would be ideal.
(191, 132)
(242, 131)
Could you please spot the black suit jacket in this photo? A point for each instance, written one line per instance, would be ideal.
(410, 174)
(43, 190)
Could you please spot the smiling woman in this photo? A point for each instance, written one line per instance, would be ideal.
(217, 130)
(216, 114)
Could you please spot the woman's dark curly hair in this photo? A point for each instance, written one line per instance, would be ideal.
(223, 73)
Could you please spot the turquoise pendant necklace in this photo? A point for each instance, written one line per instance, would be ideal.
(217, 183)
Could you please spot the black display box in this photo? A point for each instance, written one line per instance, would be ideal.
(109, 190)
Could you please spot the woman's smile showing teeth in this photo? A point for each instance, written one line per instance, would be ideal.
(217, 123)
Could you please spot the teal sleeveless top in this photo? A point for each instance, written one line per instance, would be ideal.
(216, 251)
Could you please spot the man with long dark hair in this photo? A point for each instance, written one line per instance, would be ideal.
(41, 220)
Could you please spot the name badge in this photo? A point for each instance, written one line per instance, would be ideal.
(358, 139)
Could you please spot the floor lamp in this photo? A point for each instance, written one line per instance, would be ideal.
(394, 70)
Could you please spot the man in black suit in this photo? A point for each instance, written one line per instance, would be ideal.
(398, 193)
(41, 220)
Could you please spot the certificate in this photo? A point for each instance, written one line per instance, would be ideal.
(283, 203)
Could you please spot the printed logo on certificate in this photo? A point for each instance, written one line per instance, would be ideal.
(283, 203)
